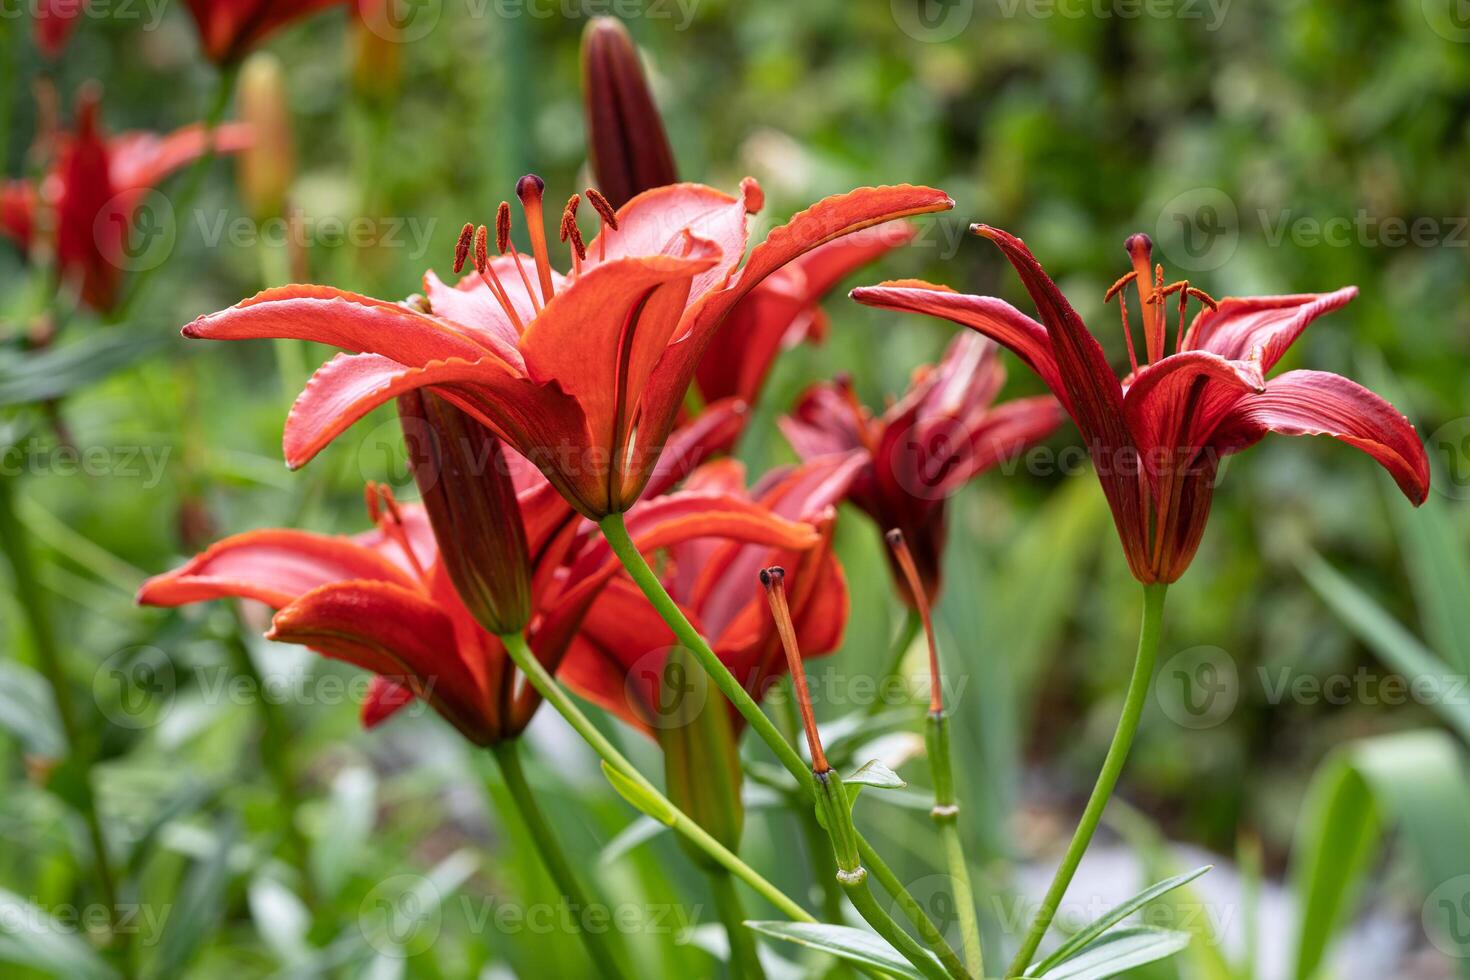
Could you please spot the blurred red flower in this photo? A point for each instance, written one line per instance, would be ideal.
(53, 22)
(95, 193)
(583, 373)
(1156, 438)
(228, 29)
(943, 432)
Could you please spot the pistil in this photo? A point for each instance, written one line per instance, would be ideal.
(774, 580)
(529, 189)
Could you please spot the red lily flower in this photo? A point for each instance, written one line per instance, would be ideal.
(583, 373)
(385, 601)
(629, 153)
(617, 661)
(228, 29)
(1156, 437)
(95, 188)
(54, 21)
(945, 431)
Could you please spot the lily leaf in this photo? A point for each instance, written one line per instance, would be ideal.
(642, 800)
(57, 371)
(877, 775)
(1117, 952)
(1112, 917)
(853, 945)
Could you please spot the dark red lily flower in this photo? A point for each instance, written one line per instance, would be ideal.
(54, 21)
(1157, 437)
(582, 373)
(629, 153)
(617, 661)
(94, 190)
(945, 431)
(228, 29)
(385, 601)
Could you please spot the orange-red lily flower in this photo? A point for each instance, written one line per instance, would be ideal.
(583, 372)
(228, 29)
(93, 192)
(1157, 437)
(943, 432)
(385, 601)
(629, 153)
(617, 661)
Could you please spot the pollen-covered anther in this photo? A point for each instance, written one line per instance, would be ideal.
(569, 230)
(603, 207)
(491, 279)
(502, 227)
(1118, 286)
(462, 247)
(482, 250)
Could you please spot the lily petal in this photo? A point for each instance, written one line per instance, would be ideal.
(1319, 403)
(342, 319)
(394, 632)
(1270, 323)
(274, 566)
(1174, 404)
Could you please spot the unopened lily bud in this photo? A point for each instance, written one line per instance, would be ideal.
(267, 166)
(377, 49)
(466, 488)
(701, 760)
(626, 143)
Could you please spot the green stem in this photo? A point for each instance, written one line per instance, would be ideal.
(1107, 779)
(616, 532)
(193, 181)
(553, 694)
(15, 542)
(901, 644)
(744, 957)
(599, 945)
(946, 814)
(820, 857)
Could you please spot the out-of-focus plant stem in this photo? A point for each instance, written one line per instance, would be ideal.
(1107, 780)
(823, 870)
(548, 848)
(616, 532)
(15, 541)
(946, 816)
(901, 643)
(546, 685)
(744, 958)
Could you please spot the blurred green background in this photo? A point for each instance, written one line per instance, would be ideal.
(1268, 147)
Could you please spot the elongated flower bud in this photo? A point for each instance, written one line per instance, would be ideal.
(701, 760)
(268, 165)
(626, 142)
(466, 488)
(377, 49)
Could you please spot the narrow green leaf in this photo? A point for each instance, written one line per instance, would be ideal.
(56, 371)
(1118, 952)
(854, 945)
(1112, 917)
(200, 906)
(640, 798)
(28, 711)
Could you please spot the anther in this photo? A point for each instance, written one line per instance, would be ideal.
(503, 242)
(462, 247)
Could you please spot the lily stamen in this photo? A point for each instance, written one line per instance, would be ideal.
(607, 218)
(569, 230)
(1116, 288)
(491, 279)
(921, 603)
(504, 244)
(774, 580)
(529, 189)
(383, 511)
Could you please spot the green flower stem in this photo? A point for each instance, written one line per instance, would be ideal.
(193, 181)
(946, 814)
(682, 823)
(744, 958)
(15, 541)
(836, 816)
(1107, 779)
(616, 532)
(901, 643)
(548, 848)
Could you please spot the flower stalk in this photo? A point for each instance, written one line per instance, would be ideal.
(553, 858)
(834, 806)
(1143, 669)
(616, 532)
(946, 810)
